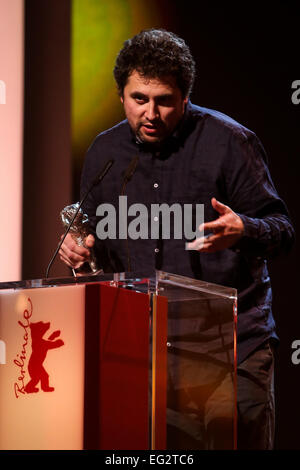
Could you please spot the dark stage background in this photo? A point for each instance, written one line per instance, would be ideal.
(246, 65)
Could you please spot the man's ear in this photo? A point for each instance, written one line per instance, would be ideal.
(122, 99)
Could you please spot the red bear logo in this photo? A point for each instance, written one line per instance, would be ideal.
(40, 348)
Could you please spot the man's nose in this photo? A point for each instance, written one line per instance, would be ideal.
(152, 111)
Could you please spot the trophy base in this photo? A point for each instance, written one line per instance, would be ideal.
(79, 272)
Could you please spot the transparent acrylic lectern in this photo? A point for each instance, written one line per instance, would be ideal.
(117, 361)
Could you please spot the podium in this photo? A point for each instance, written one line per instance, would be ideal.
(118, 361)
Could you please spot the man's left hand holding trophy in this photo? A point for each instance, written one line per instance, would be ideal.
(77, 249)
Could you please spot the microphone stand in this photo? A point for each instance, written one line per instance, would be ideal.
(128, 175)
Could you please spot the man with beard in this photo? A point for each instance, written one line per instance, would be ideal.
(191, 154)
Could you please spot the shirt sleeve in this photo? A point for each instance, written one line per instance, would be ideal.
(252, 195)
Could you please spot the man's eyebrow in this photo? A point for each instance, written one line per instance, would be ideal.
(137, 94)
(165, 95)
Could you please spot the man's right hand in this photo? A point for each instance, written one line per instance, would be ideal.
(74, 255)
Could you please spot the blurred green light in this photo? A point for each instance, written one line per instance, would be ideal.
(99, 28)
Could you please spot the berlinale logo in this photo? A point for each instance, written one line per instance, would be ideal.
(39, 350)
(2, 92)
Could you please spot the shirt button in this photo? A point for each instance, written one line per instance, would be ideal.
(156, 250)
(155, 218)
(155, 185)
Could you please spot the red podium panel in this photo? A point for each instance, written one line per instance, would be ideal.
(123, 407)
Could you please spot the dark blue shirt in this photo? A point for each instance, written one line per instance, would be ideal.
(209, 155)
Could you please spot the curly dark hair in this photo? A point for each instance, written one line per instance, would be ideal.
(155, 53)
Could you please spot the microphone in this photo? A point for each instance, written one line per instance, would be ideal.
(99, 177)
(129, 172)
(127, 177)
(96, 180)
